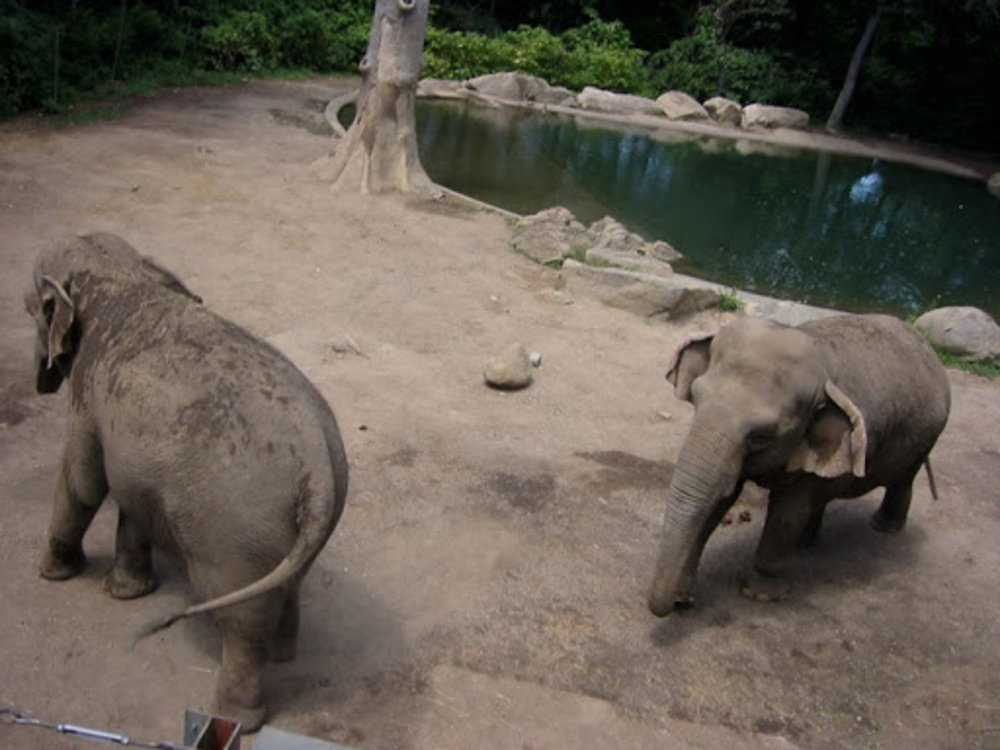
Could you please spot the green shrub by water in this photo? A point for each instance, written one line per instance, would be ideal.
(598, 54)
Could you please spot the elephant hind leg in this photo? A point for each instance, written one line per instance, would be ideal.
(132, 574)
(238, 693)
(891, 515)
(284, 643)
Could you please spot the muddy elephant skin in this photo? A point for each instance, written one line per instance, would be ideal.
(212, 444)
(831, 409)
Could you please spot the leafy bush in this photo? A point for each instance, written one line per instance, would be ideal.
(704, 66)
(457, 55)
(596, 54)
(323, 40)
(242, 41)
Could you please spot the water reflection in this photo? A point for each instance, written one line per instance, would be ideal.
(858, 234)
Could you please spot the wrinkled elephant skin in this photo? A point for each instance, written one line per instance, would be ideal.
(831, 409)
(213, 445)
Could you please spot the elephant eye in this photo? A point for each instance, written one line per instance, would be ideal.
(760, 439)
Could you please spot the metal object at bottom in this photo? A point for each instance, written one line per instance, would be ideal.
(207, 732)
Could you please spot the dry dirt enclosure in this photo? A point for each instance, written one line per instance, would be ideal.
(486, 586)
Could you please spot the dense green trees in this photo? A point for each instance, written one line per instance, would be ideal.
(932, 70)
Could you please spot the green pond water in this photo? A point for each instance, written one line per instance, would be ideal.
(857, 234)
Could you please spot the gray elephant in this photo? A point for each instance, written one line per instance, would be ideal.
(213, 445)
(830, 409)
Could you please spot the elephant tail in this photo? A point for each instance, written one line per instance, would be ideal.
(318, 514)
(930, 477)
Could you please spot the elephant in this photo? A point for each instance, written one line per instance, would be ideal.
(215, 448)
(833, 408)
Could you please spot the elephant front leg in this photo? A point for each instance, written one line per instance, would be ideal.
(132, 574)
(79, 494)
(791, 518)
(238, 693)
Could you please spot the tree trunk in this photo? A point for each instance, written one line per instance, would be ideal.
(853, 71)
(379, 152)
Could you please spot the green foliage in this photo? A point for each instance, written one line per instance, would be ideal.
(242, 41)
(729, 301)
(704, 65)
(52, 54)
(596, 54)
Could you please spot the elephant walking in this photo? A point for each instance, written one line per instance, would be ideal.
(830, 409)
(213, 445)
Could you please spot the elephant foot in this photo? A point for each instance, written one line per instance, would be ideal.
(250, 717)
(123, 585)
(762, 588)
(885, 525)
(62, 561)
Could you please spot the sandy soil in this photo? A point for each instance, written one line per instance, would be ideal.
(486, 585)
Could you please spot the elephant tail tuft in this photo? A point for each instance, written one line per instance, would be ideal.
(157, 625)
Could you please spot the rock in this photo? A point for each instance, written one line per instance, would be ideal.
(677, 105)
(966, 332)
(609, 101)
(510, 369)
(724, 111)
(768, 116)
(612, 235)
(439, 88)
(613, 244)
(519, 87)
(993, 184)
(644, 294)
(549, 235)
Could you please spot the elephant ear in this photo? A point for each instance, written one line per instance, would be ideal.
(836, 439)
(58, 314)
(689, 362)
(168, 279)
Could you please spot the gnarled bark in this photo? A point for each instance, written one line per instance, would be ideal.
(379, 152)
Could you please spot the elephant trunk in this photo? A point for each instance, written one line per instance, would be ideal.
(704, 486)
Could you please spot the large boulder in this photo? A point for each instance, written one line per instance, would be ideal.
(677, 105)
(518, 87)
(440, 88)
(769, 116)
(549, 235)
(609, 101)
(553, 234)
(966, 332)
(724, 111)
(610, 235)
(642, 293)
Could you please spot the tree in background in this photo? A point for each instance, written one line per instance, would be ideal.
(379, 151)
(836, 118)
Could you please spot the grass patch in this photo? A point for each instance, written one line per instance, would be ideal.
(989, 370)
(729, 301)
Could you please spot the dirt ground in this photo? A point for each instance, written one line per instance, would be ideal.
(486, 586)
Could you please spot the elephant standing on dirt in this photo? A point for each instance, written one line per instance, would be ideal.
(213, 445)
(833, 408)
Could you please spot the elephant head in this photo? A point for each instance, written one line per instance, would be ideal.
(765, 408)
(51, 300)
